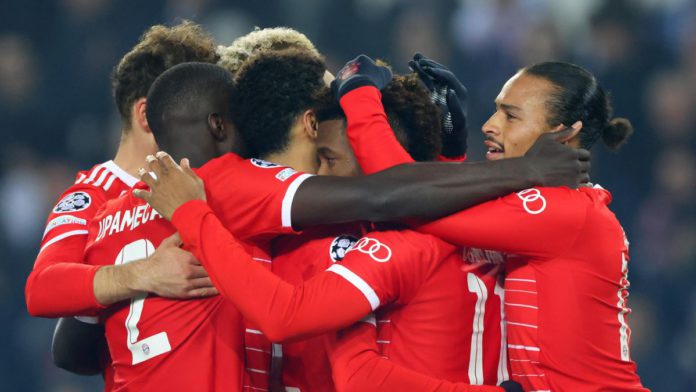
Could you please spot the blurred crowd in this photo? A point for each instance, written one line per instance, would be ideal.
(57, 116)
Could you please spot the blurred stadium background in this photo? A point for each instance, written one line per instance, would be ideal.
(56, 115)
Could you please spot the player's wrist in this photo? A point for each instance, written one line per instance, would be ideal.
(186, 211)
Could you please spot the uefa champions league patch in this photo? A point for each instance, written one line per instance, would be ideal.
(76, 201)
(262, 164)
(340, 245)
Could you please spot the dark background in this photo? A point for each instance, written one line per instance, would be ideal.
(57, 116)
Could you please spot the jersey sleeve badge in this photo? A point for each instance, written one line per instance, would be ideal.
(76, 201)
(340, 245)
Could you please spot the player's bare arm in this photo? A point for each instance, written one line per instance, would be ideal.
(395, 193)
(170, 272)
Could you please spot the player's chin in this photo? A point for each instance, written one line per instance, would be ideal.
(495, 156)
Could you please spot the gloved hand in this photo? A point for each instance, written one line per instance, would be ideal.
(511, 386)
(450, 95)
(361, 71)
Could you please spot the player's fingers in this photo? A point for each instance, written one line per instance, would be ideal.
(154, 165)
(172, 240)
(197, 271)
(147, 178)
(186, 167)
(166, 162)
(203, 292)
(561, 136)
(142, 194)
(200, 283)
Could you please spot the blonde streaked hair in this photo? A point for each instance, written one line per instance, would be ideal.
(260, 40)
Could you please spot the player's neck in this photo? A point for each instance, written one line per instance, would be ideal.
(135, 145)
(291, 157)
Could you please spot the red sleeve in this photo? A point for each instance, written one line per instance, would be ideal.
(60, 284)
(357, 365)
(537, 222)
(442, 158)
(281, 310)
(261, 206)
(369, 132)
(392, 265)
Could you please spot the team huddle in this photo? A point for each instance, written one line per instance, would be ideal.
(305, 232)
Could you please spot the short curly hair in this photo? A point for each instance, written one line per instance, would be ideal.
(273, 38)
(272, 89)
(159, 49)
(412, 116)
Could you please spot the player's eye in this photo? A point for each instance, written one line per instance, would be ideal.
(509, 116)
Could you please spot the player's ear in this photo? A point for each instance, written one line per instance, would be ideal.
(310, 124)
(216, 126)
(139, 116)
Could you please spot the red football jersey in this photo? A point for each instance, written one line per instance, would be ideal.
(253, 198)
(60, 283)
(566, 285)
(442, 317)
(158, 343)
(305, 364)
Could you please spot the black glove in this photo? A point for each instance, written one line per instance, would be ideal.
(450, 95)
(361, 71)
(511, 386)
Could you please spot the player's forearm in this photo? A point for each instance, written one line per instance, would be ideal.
(77, 346)
(115, 283)
(61, 289)
(369, 132)
(282, 311)
(425, 190)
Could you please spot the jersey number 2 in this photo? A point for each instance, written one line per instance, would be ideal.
(151, 346)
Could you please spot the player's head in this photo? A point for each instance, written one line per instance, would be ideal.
(414, 119)
(552, 96)
(159, 48)
(262, 40)
(275, 93)
(188, 109)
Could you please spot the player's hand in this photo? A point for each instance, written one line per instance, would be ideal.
(172, 272)
(556, 164)
(450, 95)
(511, 386)
(359, 72)
(171, 186)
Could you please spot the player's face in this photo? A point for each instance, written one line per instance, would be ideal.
(520, 117)
(336, 158)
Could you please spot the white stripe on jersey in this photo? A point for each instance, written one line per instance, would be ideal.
(102, 177)
(62, 236)
(254, 331)
(286, 208)
(93, 174)
(109, 182)
(358, 282)
(82, 177)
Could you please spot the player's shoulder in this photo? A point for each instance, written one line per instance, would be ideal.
(549, 200)
(106, 177)
(389, 242)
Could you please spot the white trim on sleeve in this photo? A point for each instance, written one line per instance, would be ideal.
(286, 209)
(358, 282)
(62, 236)
(87, 319)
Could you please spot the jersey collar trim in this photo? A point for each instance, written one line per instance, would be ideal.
(121, 174)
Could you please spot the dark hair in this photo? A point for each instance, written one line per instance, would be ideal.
(159, 48)
(578, 97)
(185, 93)
(272, 89)
(414, 119)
